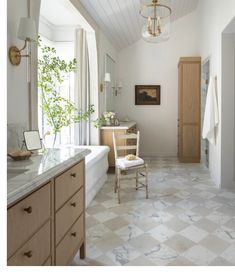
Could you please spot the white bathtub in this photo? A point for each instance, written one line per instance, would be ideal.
(96, 170)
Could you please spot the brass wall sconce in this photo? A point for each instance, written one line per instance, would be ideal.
(27, 33)
(107, 79)
(117, 88)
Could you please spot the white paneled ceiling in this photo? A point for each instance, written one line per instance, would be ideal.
(120, 19)
(62, 13)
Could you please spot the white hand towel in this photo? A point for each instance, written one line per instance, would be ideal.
(211, 118)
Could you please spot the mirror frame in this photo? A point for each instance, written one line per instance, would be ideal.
(113, 79)
(38, 144)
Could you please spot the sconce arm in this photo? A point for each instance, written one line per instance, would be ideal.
(15, 53)
(25, 44)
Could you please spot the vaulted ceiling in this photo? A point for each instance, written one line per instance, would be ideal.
(120, 19)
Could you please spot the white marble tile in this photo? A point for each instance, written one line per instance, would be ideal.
(161, 216)
(179, 243)
(140, 261)
(146, 223)
(229, 254)
(162, 233)
(97, 232)
(199, 255)
(194, 233)
(219, 261)
(104, 216)
(161, 205)
(189, 217)
(218, 218)
(123, 255)
(92, 251)
(230, 224)
(206, 225)
(176, 224)
(169, 234)
(226, 234)
(206, 195)
(187, 204)
(129, 232)
(228, 195)
(214, 244)
(184, 194)
(110, 203)
(230, 211)
(210, 204)
(161, 255)
(201, 210)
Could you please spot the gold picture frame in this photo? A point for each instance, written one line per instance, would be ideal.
(147, 95)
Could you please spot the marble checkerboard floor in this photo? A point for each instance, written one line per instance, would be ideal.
(185, 221)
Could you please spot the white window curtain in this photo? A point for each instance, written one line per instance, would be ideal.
(82, 87)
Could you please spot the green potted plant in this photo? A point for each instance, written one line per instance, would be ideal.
(59, 111)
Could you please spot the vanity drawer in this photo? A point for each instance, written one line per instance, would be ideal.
(26, 217)
(68, 183)
(35, 251)
(71, 242)
(68, 214)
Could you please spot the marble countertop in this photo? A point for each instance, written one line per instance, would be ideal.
(123, 125)
(25, 176)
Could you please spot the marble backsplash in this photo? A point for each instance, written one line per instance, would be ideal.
(15, 136)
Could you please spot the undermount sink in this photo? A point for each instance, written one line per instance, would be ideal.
(13, 172)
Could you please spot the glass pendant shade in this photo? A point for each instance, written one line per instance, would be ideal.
(157, 22)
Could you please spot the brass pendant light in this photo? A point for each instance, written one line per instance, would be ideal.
(157, 22)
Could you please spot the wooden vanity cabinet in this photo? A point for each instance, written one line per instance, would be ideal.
(29, 225)
(48, 226)
(70, 214)
(107, 139)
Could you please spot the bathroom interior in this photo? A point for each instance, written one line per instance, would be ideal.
(84, 85)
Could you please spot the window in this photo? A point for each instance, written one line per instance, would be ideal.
(66, 89)
(60, 32)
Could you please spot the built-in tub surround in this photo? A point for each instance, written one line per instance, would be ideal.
(96, 166)
(26, 176)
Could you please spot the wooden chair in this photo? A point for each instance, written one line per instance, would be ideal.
(125, 168)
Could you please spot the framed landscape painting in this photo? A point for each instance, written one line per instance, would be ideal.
(147, 95)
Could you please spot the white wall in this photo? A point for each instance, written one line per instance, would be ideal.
(228, 111)
(156, 64)
(104, 46)
(17, 88)
(213, 17)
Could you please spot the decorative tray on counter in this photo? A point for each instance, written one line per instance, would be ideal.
(19, 155)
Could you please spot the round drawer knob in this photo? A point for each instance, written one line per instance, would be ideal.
(28, 209)
(28, 254)
(74, 234)
(73, 204)
(73, 175)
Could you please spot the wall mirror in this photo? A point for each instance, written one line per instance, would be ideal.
(109, 90)
(32, 140)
